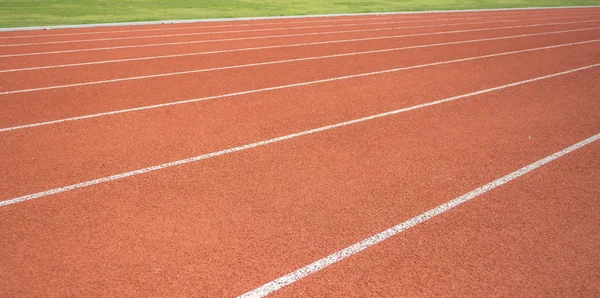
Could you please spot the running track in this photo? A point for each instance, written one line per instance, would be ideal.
(442, 154)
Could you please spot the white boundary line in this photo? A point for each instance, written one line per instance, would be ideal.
(291, 23)
(268, 37)
(261, 24)
(292, 45)
(162, 105)
(186, 72)
(351, 250)
(274, 285)
(32, 28)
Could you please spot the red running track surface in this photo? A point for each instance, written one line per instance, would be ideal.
(228, 224)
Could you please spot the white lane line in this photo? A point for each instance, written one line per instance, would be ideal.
(275, 284)
(261, 37)
(288, 61)
(162, 105)
(288, 45)
(280, 23)
(224, 32)
(351, 250)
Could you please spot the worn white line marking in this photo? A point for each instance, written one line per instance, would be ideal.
(291, 45)
(288, 279)
(288, 61)
(275, 284)
(262, 37)
(223, 32)
(383, 17)
(25, 126)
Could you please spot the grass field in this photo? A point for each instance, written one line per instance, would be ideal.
(17, 13)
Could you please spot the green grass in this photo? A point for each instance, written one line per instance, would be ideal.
(17, 13)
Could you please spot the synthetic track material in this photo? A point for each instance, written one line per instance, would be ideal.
(404, 131)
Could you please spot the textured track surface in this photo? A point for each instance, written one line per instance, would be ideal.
(235, 220)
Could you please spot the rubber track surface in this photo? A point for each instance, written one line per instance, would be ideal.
(229, 224)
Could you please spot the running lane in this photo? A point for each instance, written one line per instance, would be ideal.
(41, 158)
(16, 58)
(182, 37)
(45, 105)
(535, 236)
(238, 28)
(89, 73)
(228, 224)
